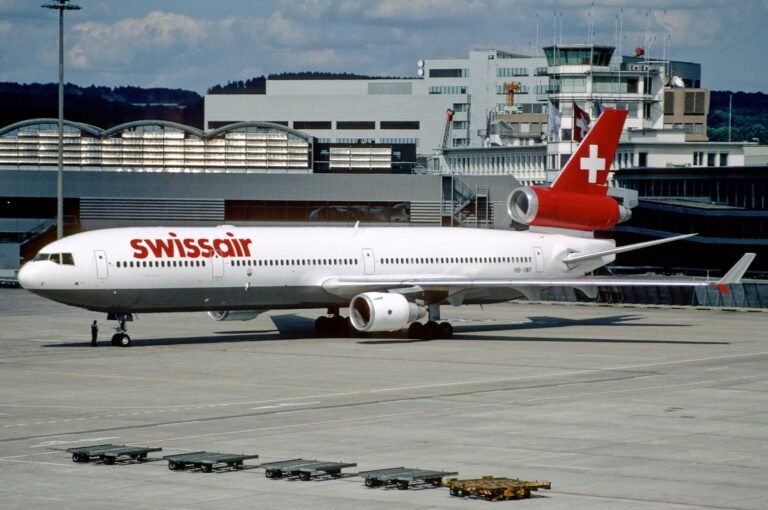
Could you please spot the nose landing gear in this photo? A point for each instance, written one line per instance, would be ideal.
(121, 338)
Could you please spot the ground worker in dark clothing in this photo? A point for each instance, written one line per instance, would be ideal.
(94, 333)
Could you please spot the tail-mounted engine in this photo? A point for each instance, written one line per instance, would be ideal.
(381, 311)
(545, 207)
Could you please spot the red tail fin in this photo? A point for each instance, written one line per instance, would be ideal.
(578, 198)
(587, 169)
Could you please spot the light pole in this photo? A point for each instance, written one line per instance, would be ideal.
(61, 5)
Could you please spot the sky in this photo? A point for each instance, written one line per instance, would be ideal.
(193, 45)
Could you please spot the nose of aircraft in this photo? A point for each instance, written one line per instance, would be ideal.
(28, 277)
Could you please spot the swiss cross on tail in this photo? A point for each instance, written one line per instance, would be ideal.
(587, 168)
(593, 164)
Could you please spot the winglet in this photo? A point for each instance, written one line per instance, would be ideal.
(734, 275)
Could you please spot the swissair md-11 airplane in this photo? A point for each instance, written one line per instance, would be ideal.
(390, 278)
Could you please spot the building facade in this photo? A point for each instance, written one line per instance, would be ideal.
(410, 110)
(157, 146)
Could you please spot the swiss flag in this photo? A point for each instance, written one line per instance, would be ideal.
(580, 123)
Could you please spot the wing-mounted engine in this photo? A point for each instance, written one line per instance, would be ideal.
(546, 207)
(382, 311)
(231, 315)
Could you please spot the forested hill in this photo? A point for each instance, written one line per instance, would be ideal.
(750, 116)
(103, 107)
(258, 85)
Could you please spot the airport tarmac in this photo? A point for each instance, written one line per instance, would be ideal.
(618, 407)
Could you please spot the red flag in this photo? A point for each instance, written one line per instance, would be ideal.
(580, 123)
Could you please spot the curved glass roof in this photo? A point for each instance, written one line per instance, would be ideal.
(48, 124)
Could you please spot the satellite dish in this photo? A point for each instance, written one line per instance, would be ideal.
(420, 72)
(677, 82)
(420, 63)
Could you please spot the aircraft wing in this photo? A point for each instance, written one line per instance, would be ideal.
(348, 286)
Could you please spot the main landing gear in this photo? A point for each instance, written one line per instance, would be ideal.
(335, 325)
(121, 338)
(433, 329)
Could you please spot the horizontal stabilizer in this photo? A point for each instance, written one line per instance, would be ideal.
(575, 258)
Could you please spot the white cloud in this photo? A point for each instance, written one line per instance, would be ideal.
(687, 27)
(426, 10)
(305, 9)
(120, 43)
(201, 44)
(285, 30)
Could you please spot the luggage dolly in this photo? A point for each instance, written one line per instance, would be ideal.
(494, 489)
(403, 477)
(206, 461)
(110, 453)
(304, 469)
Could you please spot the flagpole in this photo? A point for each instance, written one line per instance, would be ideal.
(573, 124)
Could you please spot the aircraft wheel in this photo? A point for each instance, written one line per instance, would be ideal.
(116, 339)
(323, 325)
(124, 340)
(416, 330)
(431, 330)
(340, 326)
(445, 329)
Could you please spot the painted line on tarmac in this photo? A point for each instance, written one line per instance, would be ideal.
(568, 373)
(648, 388)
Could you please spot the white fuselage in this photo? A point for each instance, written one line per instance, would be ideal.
(161, 269)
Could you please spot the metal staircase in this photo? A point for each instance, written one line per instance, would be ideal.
(464, 206)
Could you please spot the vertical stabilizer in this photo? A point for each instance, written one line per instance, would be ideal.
(587, 169)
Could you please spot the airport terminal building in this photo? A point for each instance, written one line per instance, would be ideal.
(250, 173)
(381, 151)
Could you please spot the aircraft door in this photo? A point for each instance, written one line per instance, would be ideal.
(217, 265)
(102, 269)
(369, 263)
(538, 255)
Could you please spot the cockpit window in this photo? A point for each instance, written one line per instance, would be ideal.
(59, 258)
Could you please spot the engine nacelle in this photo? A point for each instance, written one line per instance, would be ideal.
(234, 315)
(381, 311)
(544, 207)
